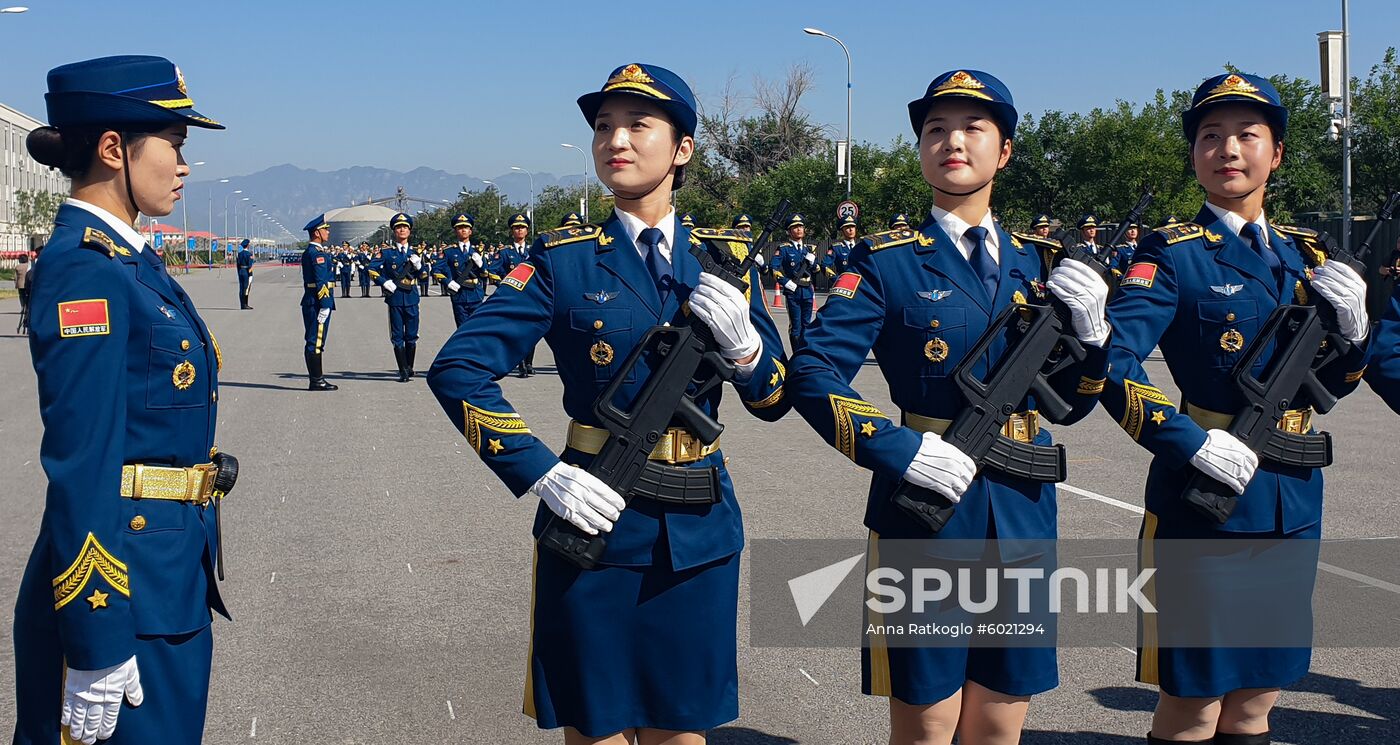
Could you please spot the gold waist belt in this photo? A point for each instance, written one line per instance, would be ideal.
(1020, 427)
(194, 484)
(1294, 421)
(676, 446)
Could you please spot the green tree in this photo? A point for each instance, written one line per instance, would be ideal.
(1376, 131)
(36, 210)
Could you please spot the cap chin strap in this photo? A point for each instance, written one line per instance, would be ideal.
(126, 172)
(984, 185)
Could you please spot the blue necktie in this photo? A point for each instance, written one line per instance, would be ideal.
(982, 263)
(657, 264)
(1254, 236)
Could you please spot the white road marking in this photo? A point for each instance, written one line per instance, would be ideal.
(410, 567)
(450, 713)
(1132, 652)
(808, 677)
(274, 579)
(1379, 584)
(254, 731)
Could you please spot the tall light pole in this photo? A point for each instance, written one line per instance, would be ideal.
(235, 207)
(235, 213)
(849, 145)
(585, 176)
(532, 194)
(492, 184)
(1346, 126)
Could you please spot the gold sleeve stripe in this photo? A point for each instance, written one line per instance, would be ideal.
(506, 423)
(1090, 387)
(777, 395)
(92, 557)
(1353, 377)
(218, 353)
(844, 409)
(1138, 396)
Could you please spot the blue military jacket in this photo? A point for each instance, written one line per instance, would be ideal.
(838, 259)
(317, 278)
(245, 261)
(588, 294)
(506, 260)
(912, 298)
(1201, 294)
(391, 265)
(457, 262)
(1383, 373)
(787, 264)
(127, 374)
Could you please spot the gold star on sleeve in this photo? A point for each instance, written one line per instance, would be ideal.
(98, 599)
(867, 429)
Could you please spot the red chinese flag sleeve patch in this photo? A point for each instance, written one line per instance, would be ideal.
(846, 285)
(519, 277)
(83, 318)
(1139, 275)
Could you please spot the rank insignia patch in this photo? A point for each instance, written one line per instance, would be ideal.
(846, 285)
(1140, 275)
(83, 318)
(519, 277)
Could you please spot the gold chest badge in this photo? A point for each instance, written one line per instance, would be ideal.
(183, 376)
(601, 353)
(936, 350)
(1232, 341)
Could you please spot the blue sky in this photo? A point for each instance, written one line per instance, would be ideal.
(324, 84)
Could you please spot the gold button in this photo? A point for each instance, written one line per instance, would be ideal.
(598, 324)
(214, 397)
(1230, 316)
(934, 323)
(138, 522)
(184, 345)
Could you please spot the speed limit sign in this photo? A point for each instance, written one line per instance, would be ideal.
(847, 209)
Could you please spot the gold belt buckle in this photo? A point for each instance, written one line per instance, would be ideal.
(1295, 421)
(200, 491)
(1015, 428)
(681, 445)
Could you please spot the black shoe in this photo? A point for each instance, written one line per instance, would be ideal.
(316, 376)
(410, 353)
(403, 367)
(246, 307)
(520, 371)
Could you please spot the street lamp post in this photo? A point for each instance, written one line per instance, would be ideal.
(585, 176)
(850, 146)
(185, 224)
(492, 184)
(235, 213)
(1346, 126)
(532, 194)
(235, 207)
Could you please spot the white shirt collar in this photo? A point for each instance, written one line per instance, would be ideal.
(635, 225)
(125, 231)
(957, 228)
(1236, 223)
(401, 247)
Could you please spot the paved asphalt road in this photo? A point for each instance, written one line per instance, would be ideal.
(380, 576)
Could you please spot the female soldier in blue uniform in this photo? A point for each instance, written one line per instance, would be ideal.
(114, 607)
(642, 646)
(398, 270)
(920, 299)
(1200, 291)
(317, 301)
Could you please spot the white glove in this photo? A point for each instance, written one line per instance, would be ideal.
(723, 308)
(390, 285)
(790, 286)
(810, 257)
(1345, 290)
(579, 497)
(941, 467)
(476, 259)
(92, 699)
(453, 286)
(416, 261)
(759, 262)
(1226, 459)
(323, 316)
(1084, 292)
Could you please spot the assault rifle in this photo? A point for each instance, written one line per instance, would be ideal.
(685, 365)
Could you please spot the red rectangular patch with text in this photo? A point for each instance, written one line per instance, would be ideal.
(519, 277)
(1140, 275)
(83, 318)
(846, 285)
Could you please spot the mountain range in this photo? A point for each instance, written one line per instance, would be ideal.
(294, 195)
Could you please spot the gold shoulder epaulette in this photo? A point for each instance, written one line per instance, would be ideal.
(99, 241)
(890, 238)
(563, 236)
(1036, 240)
(1182, 231)
(722, 234)
(1306, 233)
(1310, 243)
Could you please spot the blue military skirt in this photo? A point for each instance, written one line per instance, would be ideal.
(174, 677)
(616, 647)
(1285, 575)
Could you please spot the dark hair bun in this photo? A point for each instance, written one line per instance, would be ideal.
(45, 145)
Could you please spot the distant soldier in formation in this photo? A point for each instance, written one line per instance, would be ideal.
(244, 263)
(344, 269)
(507, 259)
(398, 271)
(571, 220)
(1383, 372)
(899, 222)
(317, 300)
(793, 266)
(1088, 233)
(362, 259)
(463, 269)
(838, 257)
(687, 220)
(1041, 226)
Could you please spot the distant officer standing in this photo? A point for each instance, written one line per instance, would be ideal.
(838, 257)
(244, 263)
(687, 220)
(317, 300)
(507, 259)
(1041, 226)
(1383, 371)
(463, 269)
(899, 222)
(399, 270)
(1088, 233)
(571, 220)
(362, 259)
(1122, 254)
(793, 267)
(344, 269)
